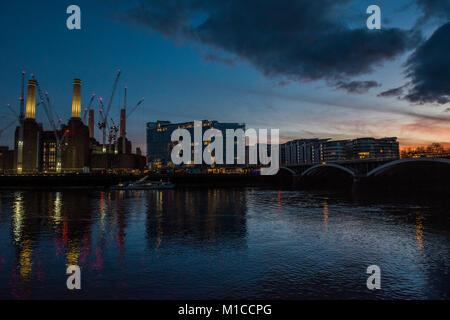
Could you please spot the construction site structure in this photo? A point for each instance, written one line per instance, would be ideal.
(67, 147)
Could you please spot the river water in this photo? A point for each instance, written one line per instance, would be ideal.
(225, 243)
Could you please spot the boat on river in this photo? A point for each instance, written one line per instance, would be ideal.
(143, 184)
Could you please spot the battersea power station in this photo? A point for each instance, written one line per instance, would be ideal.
(71, 147)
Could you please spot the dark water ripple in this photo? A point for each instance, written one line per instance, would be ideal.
(222, 243)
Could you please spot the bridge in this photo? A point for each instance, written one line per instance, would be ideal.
(374, 171)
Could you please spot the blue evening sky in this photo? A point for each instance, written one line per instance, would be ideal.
(179, 84)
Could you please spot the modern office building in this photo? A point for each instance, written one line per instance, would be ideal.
(313, 151)
(159, 143)
(371, 148)
(388, 148)
(337, 150)
(303, 151)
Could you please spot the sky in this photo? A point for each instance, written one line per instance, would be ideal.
(309, 68)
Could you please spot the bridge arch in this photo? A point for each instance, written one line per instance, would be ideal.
(288, 170)
(397, 163)
(327, 165)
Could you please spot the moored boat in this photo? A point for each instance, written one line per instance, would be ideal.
(143, 184)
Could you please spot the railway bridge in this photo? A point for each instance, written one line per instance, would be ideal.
(370, 171)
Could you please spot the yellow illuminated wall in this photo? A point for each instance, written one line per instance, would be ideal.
(76, 100)
(31, 100)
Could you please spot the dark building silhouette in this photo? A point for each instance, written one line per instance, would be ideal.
(6, 160)
(31, 132)
(72, 147)
(75, 149)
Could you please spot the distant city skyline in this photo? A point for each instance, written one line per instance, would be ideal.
(189, 66)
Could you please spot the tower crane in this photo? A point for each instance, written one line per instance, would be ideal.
(127, 116)
(7, 126)
(113, 134)
(104, 124)
(135, 108)
(49, 113)
(19, 164)
(12, 110)
(86, 111)
(123, 129)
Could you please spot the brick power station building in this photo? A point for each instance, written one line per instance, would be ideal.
(71, 148)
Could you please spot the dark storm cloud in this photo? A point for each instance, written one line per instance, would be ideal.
(429, 69)
(210, 57)
(434, 9)
(395, 92)
(296, 40)
(357, 87)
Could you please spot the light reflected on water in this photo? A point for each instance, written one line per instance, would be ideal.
(325, 213)
(17, 220)
(419, 230)
(220, 243)
(57, 208)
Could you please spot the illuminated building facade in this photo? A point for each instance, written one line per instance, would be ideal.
(303, 151)
(48, 152)
(313, 151)
(371, 148)
(159, 144)
(338, 150)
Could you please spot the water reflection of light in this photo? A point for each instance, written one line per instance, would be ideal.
(419, 231)
(158, 216)
(102, 212)
(73, 253)
(17, 221)
(25, 260)
(58, 206)
(279, 201)
(325, 213)
(159, 204)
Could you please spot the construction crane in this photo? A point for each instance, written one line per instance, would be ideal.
(86, 111)
(135, 108)
(104, 124)
(12, 110)
(127, 116)
(123, 130)
(7, 126)
(49, 112)
(21, 120)
(113, 135)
